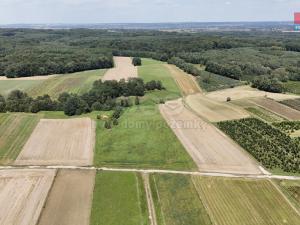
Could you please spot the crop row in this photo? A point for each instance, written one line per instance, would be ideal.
(270, 146)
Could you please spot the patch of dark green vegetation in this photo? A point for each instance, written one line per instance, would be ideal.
(273, 148)
(288, 126)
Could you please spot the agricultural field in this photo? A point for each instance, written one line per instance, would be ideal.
(244, 202)
(70, 199)
(291, 128)
(264, 114)
(77, 83)
(211, 150)
(7, 86)
(60, 142)
(246, 92)
(292, 87)
(15, 129)
(177, 202)
(291, 188)
(214, 111)
(293, 103)
(279, 109)
(119, 198)
(23, 194)
(123, 70)
(213, 82)
(155, 70)
(273, 148)
(142, 139)
(187, 83)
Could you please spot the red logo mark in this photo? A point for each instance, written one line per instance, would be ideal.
(297, 18)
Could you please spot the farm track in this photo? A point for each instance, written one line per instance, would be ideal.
(154, 171)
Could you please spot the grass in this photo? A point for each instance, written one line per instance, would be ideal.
(77, 83)
(291, 188)
(6, 86)
(119, 198)
(15, 129)
(176, 201)
(244, 202)
(155, 70)
(143, 140)
(293, 87)
(265, 115)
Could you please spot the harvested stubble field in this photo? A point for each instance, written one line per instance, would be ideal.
(279, 109)
(211, 150)
(23, 194)
(123, 70)
(293, 103)
(70, 199)
(119, 198)
(246, 92)
(244, 202)
(67, 142)
(15, 129)
(214, 111)
(77, 83)
(187, 83)
(177, 201)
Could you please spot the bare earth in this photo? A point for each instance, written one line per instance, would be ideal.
(23, 194)
(214, 111)
(212, 150)
(243, 92)
(187, 83)
(70, 199)
(29, 78)
(280, 109)
(67, 142)
(123, 70)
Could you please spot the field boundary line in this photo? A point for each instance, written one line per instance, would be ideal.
(283, 195)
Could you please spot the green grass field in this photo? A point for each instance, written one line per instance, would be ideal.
(293, 87)
(264, 114)
(176, 201)
(291, 188)
(142, 139)
(6, 86)
(119, 198)
(15, 129)
(244, 202)
(155, 70)
(77, 83)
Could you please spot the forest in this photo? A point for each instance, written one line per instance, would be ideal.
(265, 59)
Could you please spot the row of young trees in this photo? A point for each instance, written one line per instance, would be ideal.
(270, 146)
(103, 96)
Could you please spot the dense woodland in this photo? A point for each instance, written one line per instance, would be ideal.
(266, 59)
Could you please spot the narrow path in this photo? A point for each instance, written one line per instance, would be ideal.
(151, 208)
(147, 171)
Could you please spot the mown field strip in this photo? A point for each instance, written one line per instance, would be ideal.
(15, 129)
(154, 171)
(245, 202)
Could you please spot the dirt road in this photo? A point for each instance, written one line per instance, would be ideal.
(60, 142)
(212, 150)
(123, 70)
(70, 200)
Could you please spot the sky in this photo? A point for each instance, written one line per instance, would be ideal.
(145, 11)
